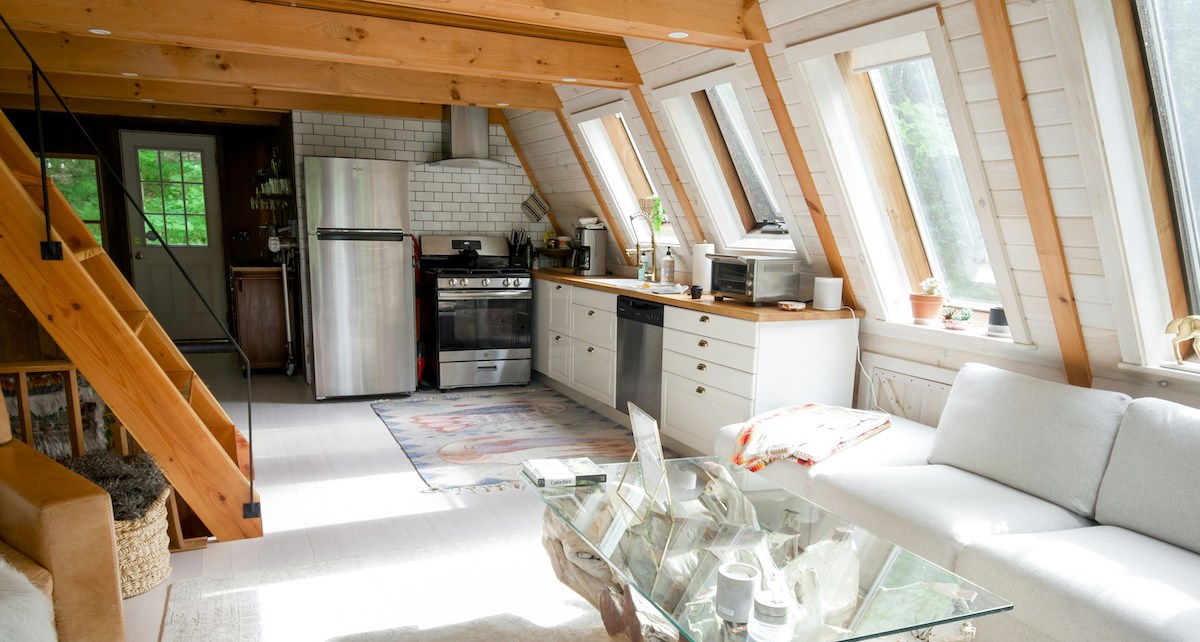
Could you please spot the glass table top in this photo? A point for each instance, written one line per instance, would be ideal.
(815, 575)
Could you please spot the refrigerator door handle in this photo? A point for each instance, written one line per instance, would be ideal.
(360, 235)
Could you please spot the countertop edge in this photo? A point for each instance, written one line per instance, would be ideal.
(765, 313)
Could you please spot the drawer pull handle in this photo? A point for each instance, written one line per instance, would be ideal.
(701, 366)
(703, 343)
(699, 390)
(558, 337)
(591, 349)
(704, 318)
(591, 313)
(558, 287)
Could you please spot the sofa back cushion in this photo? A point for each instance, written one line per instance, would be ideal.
(1048, 439)
(1152, 484)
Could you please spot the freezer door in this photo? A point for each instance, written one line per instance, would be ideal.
(347, 193)
(363, 310)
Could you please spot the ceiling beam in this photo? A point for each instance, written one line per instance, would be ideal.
(248, 27)
(176, 93)
(145, 110)
(724, 24)
(104, 56)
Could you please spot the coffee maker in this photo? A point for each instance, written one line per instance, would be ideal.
(590, 250)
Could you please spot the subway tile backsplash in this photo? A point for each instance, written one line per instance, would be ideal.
(441, 200)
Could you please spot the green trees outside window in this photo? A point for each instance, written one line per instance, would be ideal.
(79, 182)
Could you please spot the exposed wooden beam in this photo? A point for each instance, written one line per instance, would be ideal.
(146, 110)
(1031, 173)
(587, 173)
(808, 187)
(108, 57)
(237, 25)
(175, 93)
(660, 148)
(1152, 158)
(724, 24)
(497, 115)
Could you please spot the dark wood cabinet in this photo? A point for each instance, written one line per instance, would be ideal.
(259, 314)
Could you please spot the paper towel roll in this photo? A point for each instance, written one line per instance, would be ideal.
(702, 265)
(827, 293)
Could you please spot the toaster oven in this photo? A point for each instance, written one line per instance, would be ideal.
(758, 279)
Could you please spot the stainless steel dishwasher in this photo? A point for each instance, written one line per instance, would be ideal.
(639, 355)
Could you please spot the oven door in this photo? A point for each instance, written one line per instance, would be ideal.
(475, 325)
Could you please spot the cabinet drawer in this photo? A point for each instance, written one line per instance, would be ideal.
(559, 360)
(594, 371)
(711, 350)
(594, 325)
(709, 373)
(560, 307)
(594, 299)
(712, 325)
(693, 413)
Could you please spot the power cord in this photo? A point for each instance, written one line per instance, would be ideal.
(863, 370)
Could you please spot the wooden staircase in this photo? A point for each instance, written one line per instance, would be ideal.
(99, 321)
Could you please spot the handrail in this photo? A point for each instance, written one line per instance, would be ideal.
(250, 509)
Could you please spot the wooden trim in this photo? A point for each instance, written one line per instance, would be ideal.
(106, 107)
(886, 168)
(239, 26)
(498, 115)
(618, 235)
(1161, 202)
(791, 143)
(23, 410)
(1035, 188)
(74, 414)
(660, 147)
(627, 155)
(716, 140)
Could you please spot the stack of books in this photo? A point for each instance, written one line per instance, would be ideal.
(579, 471)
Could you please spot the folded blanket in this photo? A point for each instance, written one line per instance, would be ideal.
(805, 433)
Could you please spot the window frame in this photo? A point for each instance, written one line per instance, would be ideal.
(102, 221)
(835, 116)
(623, 108)
(722, 210)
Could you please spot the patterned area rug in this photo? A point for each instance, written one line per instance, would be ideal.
(477, 440)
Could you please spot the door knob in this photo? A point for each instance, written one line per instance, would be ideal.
(137, 255)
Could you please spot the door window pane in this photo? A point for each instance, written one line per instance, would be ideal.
(79, 181)
(173, 184)
(914, 113)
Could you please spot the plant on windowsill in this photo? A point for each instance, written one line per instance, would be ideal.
(956, 318)
(927, 304)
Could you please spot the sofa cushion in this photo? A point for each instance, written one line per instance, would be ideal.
(26, 613)
(904, 443)
(935, 510)
(1152, 484)
(39, 576)
(1047, 439)
(1097, 584)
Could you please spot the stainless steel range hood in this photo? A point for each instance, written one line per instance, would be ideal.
(466, 140)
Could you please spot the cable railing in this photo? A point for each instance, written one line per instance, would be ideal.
(52, 250)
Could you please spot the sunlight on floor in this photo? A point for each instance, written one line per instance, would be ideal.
(359, 499)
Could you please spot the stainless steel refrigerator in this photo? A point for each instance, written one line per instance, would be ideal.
(361, 270)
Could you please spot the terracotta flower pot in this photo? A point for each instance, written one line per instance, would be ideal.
(926, 309)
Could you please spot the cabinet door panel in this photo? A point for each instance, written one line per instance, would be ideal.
(593, 325)
(693, 412)
(594, 371)
(560, 307)
(560, 357)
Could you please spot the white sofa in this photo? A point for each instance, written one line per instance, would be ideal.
(1080, 506)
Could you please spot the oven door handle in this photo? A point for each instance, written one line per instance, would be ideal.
(476, 295)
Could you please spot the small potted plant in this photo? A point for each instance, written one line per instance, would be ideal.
(956, 318)
(927, 304)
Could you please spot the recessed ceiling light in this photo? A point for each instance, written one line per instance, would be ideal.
(100, 32)
(502, 104)
(678, 35)
(129, 74)
(147, 100)
(569, 79)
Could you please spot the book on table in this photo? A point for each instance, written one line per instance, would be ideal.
(577, 471)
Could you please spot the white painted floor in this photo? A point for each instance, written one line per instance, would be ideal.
(333, 484)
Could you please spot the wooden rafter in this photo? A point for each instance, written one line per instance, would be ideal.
(723, 24)
(791, 143)
(587, 173)
(247, 27)
(1035, 188)
(1152, 158)
(716, 140)
(146, 110)
(498, 115)
(108, 57)
(660, 147)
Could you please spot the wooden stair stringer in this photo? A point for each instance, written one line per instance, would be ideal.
(85, 322)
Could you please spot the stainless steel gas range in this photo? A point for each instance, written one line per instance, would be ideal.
(476, 313)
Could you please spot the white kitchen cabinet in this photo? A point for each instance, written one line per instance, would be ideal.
(558, 356)
(594, 371)
(541, 325)
(560, 307)
(719, 370)
(594, 317)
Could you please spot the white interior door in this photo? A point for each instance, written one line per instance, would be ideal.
(174, 178)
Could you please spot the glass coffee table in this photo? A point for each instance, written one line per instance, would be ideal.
(692, 546)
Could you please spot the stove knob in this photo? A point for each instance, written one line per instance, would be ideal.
(462, 282)
(506, 283)
(516, 282)
(486, 282)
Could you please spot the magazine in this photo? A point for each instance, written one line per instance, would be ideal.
(578, 471)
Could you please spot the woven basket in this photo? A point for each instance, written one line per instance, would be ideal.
(142, 549)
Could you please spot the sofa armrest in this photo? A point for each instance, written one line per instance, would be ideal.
(64, 523)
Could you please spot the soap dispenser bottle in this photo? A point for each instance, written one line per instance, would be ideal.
(666, 268)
